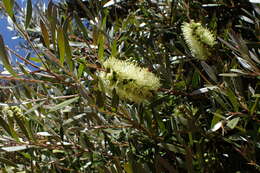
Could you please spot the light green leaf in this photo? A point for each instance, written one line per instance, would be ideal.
(9, 4)
(229, 74)
(80, 70)
(232, 123)
(216, 118)
(16, 148)
(128, 168)
(70, 120)
(253, 108)
(34, 108)
(63, 104)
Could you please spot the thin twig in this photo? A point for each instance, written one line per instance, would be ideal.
(22, 58)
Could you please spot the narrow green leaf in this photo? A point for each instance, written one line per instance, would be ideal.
(229, 74)
(5, 126)
(68, 53)
(233, 123)
(63, 104)
(115, 99)
(128, 168)
(233, 99)
(34, 108)
(16, 148)
(75, 118)
(45, 34)
(118, 165)
(220, 100)
(4, 58)
(216, 118)
(21, 123)
(52, 57)
(9, 4)
(35, 59)
(195, 79)
(81, 26)
(8, 128)
(209, 70)
(253, 108)
(7, 162)
(52, 18)
(114, 48)
(28, 13)
(101, 48)
(61, 44)
(80, 70)
(172, 148)
(100, 99)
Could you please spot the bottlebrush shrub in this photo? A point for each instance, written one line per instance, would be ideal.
(199, 39)
(130, 81)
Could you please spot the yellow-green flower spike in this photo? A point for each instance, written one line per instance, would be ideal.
(130, 81)
(13, 111)
(199, 39)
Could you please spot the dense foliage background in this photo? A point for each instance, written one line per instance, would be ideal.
(55, 117)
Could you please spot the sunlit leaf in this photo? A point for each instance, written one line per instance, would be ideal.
(233, 123)
(9, 4)
(63, 104)
(16, 148)
(28, 13)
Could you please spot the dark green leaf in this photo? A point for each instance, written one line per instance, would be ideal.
(5, 58)
(7, 162)
(233, 99)
(61, 45)
(28, 13)
(21, 123)
(68, 53)
(45, 34)
(5, 126)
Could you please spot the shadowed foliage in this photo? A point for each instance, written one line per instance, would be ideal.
(67, 107)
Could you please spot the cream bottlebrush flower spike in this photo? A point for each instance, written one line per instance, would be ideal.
(130, 81)
(198, 38)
